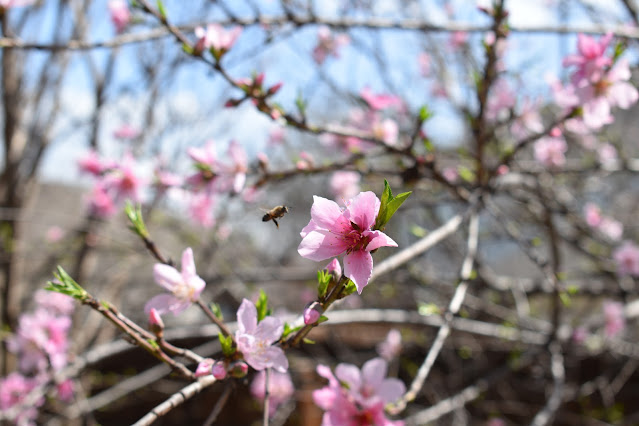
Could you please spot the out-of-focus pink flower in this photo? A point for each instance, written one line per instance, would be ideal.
(120, 14)
(386, 130)
(276, 135)
(280, 389)
(40, 341)
(501, 100)
(627, 259)
(614, 317)
(450, 174)
(217, 38)
(101, 204)
(424, 62)
(457, 40)
(332, 231)
(606, 152)
(345, 185)
(611, 228)
(579, 335)
(305, 161)
(184, 287)
(56, 303)
(126, 132)
(390, 348)
(591, 60)
(54, 234)
(201, 209)
(92, 164)
(592, 212)
(255, 341)
(65, 391)
(13, 390)
(550, 150)
(124, 180)
(353, 396)
(328, 44)
(380, 101)
(238, 167)
(528, 122)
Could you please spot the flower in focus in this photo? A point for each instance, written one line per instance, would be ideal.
(185, 287)
(353, 397)
(614, 317)
(333, 231)
(120, 14)
(627, 259)
(255, 341)
(280, 389)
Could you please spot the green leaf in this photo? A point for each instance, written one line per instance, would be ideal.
(322, 319)
(308, 341)
(565, 299)
(424, 113)
(300, 103)
(161, 9)
(135, 217)
(187, 49)
(323, 279)
(388, 206)
(466, 174)
(66, 285)
(350, 288)
(288, 330)
(427, 309)
(429, 145)
(217, 311)
(227, 345)
(262, 306)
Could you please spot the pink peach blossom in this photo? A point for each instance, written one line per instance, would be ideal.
(615, 319)
(345, 185)
(627, 259)
(332, 231)
(184, 287)
(328, 44)
(120, 14)
(216, 37)
(280, 389)
(255, 340)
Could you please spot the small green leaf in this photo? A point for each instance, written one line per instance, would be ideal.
(300, 103)
(188, 49)
(66, 285)
(323, 279)
(262, 306)
(153, 343)
(134, 214)
(161, 9)
(418, 231)
(217, 311)
(424, 113)
(322, 319)
(308, 341)
(388, 206)
(288, 330)
(572, 289)
(227, 345)
(565, 299)
(428, 144)
(350, 288)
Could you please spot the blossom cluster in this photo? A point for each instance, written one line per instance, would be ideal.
(41, 344)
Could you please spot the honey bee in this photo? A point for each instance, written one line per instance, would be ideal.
(274, 214)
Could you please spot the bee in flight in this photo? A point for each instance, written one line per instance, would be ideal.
(274, 214)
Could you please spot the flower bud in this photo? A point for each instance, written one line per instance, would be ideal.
(335, 269)
(219, 370)
(274, 89)
(238, 369)
(312, 313)
(155, 323)
(204, 367)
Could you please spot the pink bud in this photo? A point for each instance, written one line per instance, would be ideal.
(204, 367)
(259, 80)
(239, 369)
(335, 269)
(275, 88)
(219, 370)
(312, 313)
(155, 322)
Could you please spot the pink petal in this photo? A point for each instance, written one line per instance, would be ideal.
(188, 264)
(325, 213)
(379, 239)
(163, 303)
(166, 276)
(391, 390)
(326, 372)
(358, 266)
(247, 317)
(374, 372)
(351, 375)
(320, 245)
(363, 209)
(270, 329)
(278, 360)
(325, 398)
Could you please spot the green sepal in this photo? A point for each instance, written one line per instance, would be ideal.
(322, 319)
(350, 288)
(227, 345)
(389, 206)
(425, 113)
(288, 330)
(66, 285)
(187, 49)
(262, 306)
